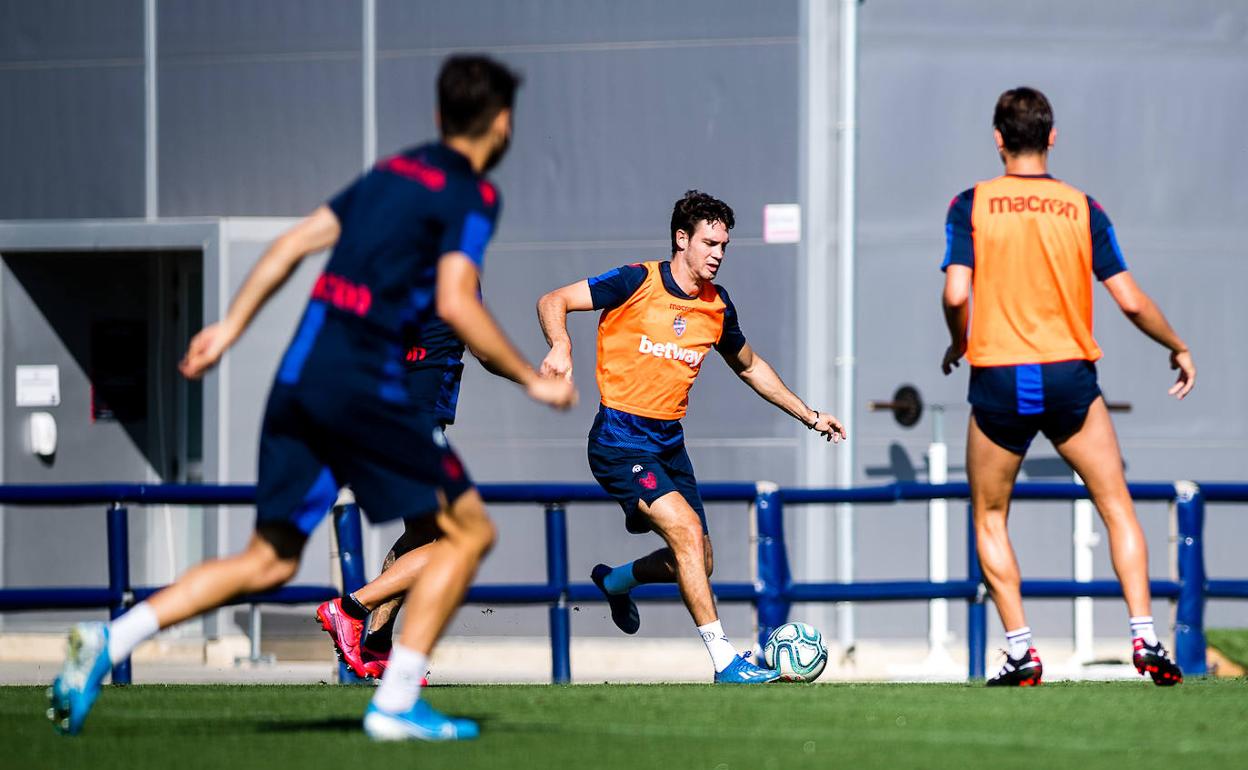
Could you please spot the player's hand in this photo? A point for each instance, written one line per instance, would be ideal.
(829, 427)
(205, 350)
(558, 392)
(1187, 373)
(953, 357)
(557, 363)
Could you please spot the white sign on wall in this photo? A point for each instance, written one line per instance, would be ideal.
(38, 385)
(782, 223)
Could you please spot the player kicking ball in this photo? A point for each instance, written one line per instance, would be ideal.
(408, 236)
(659, 321)
(1027, 247)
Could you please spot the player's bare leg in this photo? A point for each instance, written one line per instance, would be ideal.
(991, 470)
(270, 559)
(678, 524)
(466, 534)
(1094, 454)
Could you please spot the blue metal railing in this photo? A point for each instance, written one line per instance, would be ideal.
(772, 593)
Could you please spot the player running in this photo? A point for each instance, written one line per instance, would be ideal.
(659, 321)
(408, 235)
(1027, 245)
(435, 366)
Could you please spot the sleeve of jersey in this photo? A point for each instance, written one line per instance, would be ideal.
(1107, 260)
(959, 245)
(731, 340)
(340, 204)
(614, 287)
(468, 229)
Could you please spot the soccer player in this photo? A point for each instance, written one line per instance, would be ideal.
(435, 365)
(409, 236)
(659, 320)
(1027, 246)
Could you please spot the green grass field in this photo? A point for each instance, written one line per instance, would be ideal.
(1202, 723)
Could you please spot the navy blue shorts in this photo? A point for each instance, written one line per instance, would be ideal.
(630, 475)
(396, 459)
(1011, 404)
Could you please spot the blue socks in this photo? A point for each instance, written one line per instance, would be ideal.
(620, 580)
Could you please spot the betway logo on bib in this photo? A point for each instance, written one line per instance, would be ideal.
(669, 350)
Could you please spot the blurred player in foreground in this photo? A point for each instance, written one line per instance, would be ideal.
(1027, 246)
(659, 321)
(409, 236)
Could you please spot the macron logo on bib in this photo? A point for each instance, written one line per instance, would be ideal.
(670, 350)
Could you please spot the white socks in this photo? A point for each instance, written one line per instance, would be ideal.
(130, 630)
(1142, 628)
(721, 650)
(1019, 641)
(620, 580)
(400, 687)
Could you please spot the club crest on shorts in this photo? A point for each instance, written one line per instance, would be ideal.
(636, 469)
(679, 325)
(648, 481)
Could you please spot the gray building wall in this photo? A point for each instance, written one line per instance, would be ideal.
(260, 113)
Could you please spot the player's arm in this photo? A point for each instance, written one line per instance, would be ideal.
(316, 232)
(1148, 318)
(759, 375)
(459, 305)
(956, 301)
(552, 314)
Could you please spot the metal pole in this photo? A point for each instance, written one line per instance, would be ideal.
(119, 576)
(1084, 539)
(1189, 624)
(351, 563)
(938, 546)
(847, 133)
(771, 608)
(557, 577)
(369, 55)
(151, 171)
(815, 260)
(976, 610)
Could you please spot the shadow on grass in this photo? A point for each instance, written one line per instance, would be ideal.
(345, 725)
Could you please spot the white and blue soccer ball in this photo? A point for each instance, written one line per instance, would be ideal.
(797, 651)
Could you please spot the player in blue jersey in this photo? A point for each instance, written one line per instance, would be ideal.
(408, 238)
(435, 366)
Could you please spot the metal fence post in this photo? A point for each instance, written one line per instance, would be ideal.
(1189, 620)
(773, 561)
(557, 578)
(119, 576)
(976, 609)
(351, 562)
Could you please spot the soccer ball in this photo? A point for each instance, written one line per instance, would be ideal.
(797, 651)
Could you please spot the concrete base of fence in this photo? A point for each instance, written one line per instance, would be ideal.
(35, 659)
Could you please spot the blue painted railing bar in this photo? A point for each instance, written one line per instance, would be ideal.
(773, 593)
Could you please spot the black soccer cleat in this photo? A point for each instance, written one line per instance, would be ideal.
(1025, 671)
(1155, 661)
(623, 610)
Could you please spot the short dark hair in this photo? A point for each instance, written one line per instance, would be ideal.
(472, 90)
(695, 207)
(1025, 118)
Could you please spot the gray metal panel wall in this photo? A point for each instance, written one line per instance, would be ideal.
(259, 107)
(71, 82)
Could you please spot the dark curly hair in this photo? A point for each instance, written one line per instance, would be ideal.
(696, 207)
(1025, 118)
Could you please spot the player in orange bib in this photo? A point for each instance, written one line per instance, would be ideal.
(1027, 246)
(659, 321)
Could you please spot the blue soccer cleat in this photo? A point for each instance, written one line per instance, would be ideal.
(419, 723)
(741, 671)
(73, 693)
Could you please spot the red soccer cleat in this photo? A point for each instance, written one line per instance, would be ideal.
(1026, 671)
(1155, 661)
(345, 631)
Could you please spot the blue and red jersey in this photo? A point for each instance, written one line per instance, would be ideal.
(377, 291)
